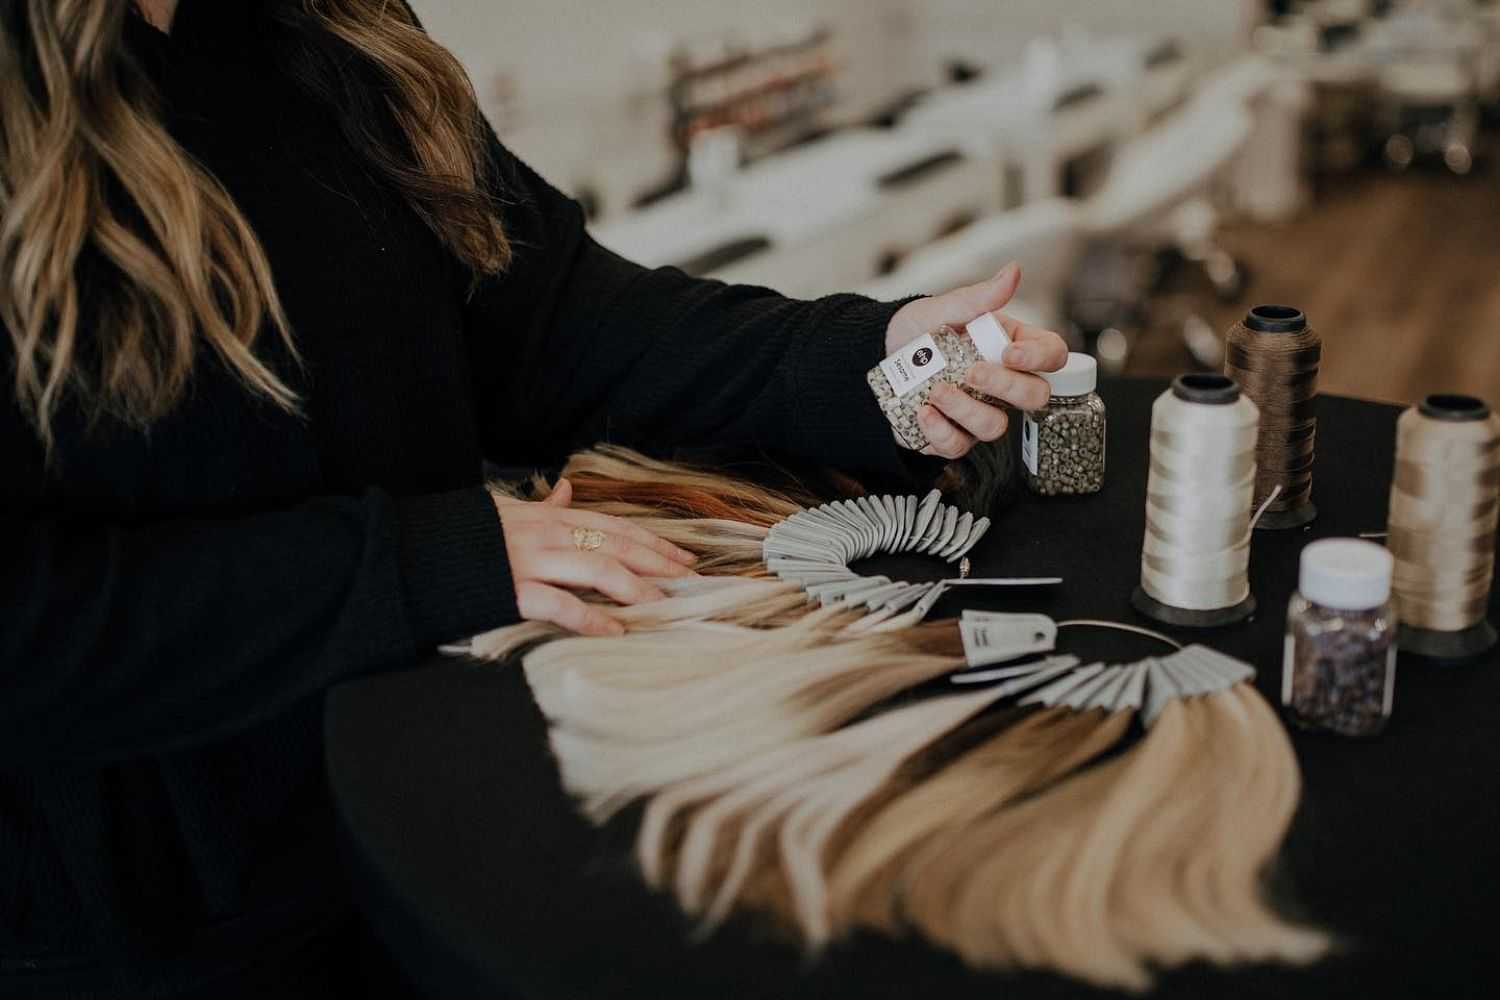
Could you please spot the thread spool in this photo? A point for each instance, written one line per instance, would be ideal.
(1274, 355)
(1444, 507)
(1196, 555)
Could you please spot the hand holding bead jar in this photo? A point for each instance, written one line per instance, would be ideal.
(944, 396)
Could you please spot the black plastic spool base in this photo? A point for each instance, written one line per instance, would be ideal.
(1189, 618)
(1447, 646)
(1280, 520)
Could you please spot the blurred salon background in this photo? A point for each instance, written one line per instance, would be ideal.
(1157, 167)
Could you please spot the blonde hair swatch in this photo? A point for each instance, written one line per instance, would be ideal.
(786, 765)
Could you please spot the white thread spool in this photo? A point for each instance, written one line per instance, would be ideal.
(1196, 556)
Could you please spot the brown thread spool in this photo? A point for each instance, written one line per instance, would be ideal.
(1274, 355)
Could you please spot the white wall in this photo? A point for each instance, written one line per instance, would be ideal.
(587, 104)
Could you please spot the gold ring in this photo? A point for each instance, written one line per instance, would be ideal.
(587, 539)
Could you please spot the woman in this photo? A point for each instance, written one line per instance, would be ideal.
(273, 292)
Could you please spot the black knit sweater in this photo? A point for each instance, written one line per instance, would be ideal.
(173, 603)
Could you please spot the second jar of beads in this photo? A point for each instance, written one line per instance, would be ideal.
(1339, 673)
(1062, 444)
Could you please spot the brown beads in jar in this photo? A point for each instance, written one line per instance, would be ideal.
(1339, 670)
(1063, 444)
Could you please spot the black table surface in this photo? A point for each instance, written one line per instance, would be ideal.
(473, 865)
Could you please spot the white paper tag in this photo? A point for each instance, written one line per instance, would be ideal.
(911, 367)
(1029, 434)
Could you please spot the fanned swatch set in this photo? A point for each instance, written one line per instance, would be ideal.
(776, 718)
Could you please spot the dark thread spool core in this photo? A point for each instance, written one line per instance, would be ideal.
(1214, 390)
(1188, 617)
(1453, 408)
(1276, 319)
(1447, 647)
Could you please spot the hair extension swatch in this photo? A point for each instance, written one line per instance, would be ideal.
(790, 764)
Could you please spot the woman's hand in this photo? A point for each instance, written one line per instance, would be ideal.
(952, 419)
(546, 558)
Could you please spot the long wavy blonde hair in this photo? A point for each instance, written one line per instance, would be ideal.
(119, 254)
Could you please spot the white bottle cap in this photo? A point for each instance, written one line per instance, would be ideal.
(1347, 574)
(1076, 378)
(989, 337)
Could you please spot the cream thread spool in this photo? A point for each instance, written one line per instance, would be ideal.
(1274, 355)
(1444, 508)
(1196, 554)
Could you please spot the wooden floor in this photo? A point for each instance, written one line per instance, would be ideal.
(1400, 275)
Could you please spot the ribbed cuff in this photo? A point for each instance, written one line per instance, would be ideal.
(837, 418)
(454, 565)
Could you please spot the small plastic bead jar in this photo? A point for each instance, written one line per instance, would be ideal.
(903, 381)
(1062, 445)
(1339, 669)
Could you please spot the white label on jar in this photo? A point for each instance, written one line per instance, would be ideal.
(1287, 654)
(1390, 680)
(1030, 430)
(911, 367)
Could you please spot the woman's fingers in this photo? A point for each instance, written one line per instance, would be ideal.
(590, 571)
(943, 439)
(985, 422)
(1034, 349)
(539, 602)
(955, 308)
(1024, 392)
(561, 495)
(618, 527)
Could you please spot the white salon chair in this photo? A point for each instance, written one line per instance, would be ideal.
(1044, 237)
(1431, 108)
(1166, 80)
(1266, 180)
(846, 209)
(1159, 195)
(1429, 85)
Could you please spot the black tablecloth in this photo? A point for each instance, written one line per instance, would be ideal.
(473, 865)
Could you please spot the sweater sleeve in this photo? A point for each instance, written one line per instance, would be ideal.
(120, 640)
(575, 345)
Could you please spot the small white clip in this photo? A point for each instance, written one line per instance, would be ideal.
(991, 637)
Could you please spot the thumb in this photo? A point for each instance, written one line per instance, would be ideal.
(561, 495)
(956, 308)
(973, 301)
(963, 305)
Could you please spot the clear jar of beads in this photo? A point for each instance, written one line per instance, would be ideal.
(1339, 671)
(1062, 444)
